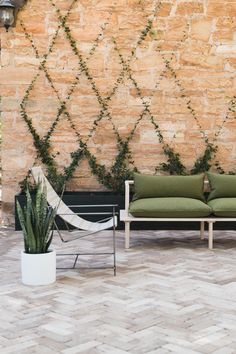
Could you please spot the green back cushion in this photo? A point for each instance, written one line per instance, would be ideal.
(222, 186)
(146, 186)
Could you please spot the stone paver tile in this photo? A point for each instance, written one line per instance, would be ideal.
(170, 295)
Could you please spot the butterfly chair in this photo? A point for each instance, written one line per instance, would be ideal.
(73, 219)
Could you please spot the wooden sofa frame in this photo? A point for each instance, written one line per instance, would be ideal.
(128, 218)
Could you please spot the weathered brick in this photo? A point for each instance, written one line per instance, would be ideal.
(221, 8)
(201, 29)
(185, 8)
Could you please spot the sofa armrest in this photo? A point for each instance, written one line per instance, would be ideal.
(127, 195)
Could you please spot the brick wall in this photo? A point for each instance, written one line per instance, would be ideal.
(197, 37)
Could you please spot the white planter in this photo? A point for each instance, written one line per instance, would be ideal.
(38, 269)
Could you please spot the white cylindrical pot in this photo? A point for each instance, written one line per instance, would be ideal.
(38, 269)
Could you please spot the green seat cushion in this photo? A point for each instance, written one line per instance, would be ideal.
(169, 208)
(222, 186)
(225, 207)
(146, 186)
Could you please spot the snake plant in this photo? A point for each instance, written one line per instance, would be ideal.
(36, 220)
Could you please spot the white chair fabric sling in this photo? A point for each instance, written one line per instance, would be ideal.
(72, 218)
(64, 211)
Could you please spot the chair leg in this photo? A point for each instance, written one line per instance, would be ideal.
(114, 242)
(202, 229)
(210, 236)
(76, 259)
(127, 234)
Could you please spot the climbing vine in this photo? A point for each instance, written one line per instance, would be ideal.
(123, 165)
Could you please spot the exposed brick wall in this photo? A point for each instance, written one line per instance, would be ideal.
(199, 36)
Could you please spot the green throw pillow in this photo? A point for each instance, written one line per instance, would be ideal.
(146, 186)
(222, 186)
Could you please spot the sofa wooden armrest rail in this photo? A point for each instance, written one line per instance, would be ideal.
(128, 218)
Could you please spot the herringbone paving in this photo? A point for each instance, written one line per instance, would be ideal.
(171, 295)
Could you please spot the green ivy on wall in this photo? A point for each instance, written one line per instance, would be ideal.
(123, 165)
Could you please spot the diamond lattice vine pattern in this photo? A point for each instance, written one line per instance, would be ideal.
(121, 85)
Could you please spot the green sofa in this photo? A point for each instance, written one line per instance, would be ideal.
(180, 198)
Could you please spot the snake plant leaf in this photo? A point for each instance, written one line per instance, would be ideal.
(30, 221)
(22, 223)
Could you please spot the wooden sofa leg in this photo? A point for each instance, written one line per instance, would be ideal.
(202, 229)
(127, 234)
(210, 236)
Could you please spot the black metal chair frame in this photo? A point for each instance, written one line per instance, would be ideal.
(112, 214)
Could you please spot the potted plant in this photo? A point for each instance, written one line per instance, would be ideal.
(38, 261)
